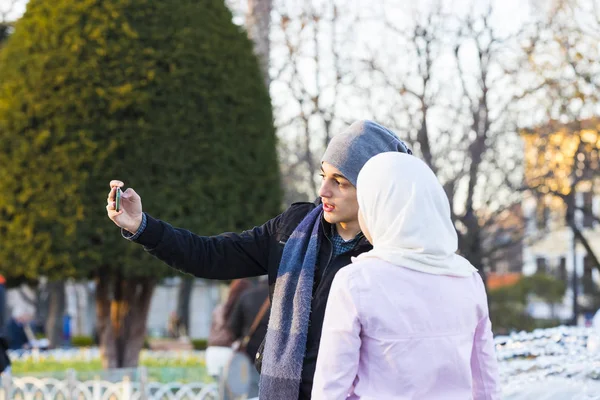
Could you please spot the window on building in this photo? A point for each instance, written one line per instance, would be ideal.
(589, 286)
(541, 265)
(562, 269)
(542, 215)
(588, 215)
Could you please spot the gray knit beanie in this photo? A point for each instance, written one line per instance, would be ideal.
(349, 150)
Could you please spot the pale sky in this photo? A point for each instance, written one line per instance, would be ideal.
(16, 7)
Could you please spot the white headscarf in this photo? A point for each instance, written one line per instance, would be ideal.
(407, 214)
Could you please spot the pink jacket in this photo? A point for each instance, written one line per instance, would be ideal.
(395, 333)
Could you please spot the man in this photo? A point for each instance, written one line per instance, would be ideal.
(16, 330)
(2, 303)
(4, 360)
(246, 320)
(300, 250)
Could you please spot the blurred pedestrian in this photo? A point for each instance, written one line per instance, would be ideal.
(248, 322)
(2, 304)
(18, 330)
(4, 359)
(220, 337)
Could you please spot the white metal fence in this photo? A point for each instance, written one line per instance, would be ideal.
(29, 388)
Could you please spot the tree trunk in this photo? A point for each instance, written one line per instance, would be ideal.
(56, 310)
(588, 248)
(476, 258)
(183, 304)
(122, 307)
(570, 219)
(471, 245)
(258, 24)
(42, 303)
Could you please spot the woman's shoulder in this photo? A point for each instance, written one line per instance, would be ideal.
(362, 270)
(368, 265)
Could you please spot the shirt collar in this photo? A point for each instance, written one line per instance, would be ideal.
(331, 231)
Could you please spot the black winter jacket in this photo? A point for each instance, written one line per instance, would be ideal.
(253, 253)
(4, 359)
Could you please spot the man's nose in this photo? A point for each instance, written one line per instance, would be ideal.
(325, 190)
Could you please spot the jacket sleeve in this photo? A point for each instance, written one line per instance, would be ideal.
(339, 351)
(225, 256)
(484, 365)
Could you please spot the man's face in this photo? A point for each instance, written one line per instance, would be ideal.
(338, 196)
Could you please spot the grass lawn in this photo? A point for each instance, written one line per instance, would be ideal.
(159, 370)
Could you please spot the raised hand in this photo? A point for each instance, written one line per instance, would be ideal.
(129, 216)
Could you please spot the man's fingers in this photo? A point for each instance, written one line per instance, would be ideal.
(130, 194)
(114, 184)
(111, 210)
(111, 194)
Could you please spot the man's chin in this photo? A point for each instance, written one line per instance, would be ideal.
(329, 218)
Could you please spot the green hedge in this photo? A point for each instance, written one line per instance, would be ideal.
(165, 95)
(200, 344)
(82, 341)
(508, 304)
(88, 341)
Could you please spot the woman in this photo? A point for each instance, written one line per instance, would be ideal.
(221, 338)
(409, 319)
